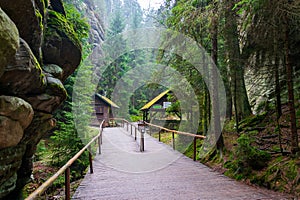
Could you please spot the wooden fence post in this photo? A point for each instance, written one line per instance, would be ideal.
(159, 135)
(173, 140)
(195, 148)
(91, 160)
(67, 184)
(99, 143)
(142, 142)
(135, 133)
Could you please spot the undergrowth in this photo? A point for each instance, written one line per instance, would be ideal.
(257, 155)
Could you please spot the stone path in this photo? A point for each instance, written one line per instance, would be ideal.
(122, 172)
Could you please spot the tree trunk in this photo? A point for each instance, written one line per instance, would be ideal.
(238, 88)
(277, 88)
(276, 69)
(215, 91)
(206, 107)
(291, 101)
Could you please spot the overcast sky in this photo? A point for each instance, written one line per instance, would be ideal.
(153, 3)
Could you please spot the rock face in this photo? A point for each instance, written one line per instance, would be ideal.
(28, 18)
(61, 47)
(9, 42)
(15, 116)
(38, 51)
(23, 75)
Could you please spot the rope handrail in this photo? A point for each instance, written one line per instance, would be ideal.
(41, 189)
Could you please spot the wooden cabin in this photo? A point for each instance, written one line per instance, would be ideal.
(159, 104)
(103, 108)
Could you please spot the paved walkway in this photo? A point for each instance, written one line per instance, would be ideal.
(122, 172)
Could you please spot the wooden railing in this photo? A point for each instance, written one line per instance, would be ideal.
(142, 128)
(178, 133)
(66, 169)
(133, 129)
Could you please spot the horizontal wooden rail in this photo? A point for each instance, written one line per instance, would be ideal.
(194, 136)
(66, 169)
(179, 133)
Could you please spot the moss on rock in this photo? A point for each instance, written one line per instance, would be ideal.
(58, 23)
(9, 40)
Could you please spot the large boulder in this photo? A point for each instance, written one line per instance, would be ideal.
(9, 40)
(23, 75)
(16, 109)
(15, 116)
(61, 45)
(29, 20)
(11, 132)
(51, 98)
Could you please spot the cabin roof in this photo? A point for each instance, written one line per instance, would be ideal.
(107, 100)
(154, 100)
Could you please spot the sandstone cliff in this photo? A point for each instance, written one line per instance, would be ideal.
(38, 51)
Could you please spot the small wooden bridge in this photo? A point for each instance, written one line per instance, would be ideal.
(123, 172)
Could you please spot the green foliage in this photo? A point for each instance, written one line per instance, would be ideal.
(80, 26)
(65, 143)
(135, 118)
(78, 22)
(229, 126)
(281, 175)
(133, 111)
(264, 106)
(58, 22)
(189, 151)
(244, 5)
(40, 18)
(253, 120)
(250, 156)
(246, 158)
(41, 151)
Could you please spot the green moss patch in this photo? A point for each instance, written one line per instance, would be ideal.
(58, 23)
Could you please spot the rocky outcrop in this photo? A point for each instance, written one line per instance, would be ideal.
(15, 116)
(97, 33)
(29, 20)
(30, 82)
(23, 75)
(61, 46)
(9, 42)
